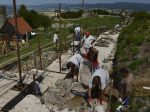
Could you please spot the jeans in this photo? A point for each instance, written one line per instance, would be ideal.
(93, 96)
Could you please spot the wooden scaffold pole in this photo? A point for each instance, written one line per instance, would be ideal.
(60, 46)
(17, 42)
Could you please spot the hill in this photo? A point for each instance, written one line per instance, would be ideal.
(113, 6)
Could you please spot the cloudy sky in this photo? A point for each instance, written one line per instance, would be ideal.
(37, 2)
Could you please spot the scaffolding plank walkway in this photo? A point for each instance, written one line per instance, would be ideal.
(8, 96)
(49, 80)
(52, 74)
(6, 85)
(55, 65)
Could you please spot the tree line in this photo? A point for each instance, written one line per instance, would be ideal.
(72, 14)
(33, 18)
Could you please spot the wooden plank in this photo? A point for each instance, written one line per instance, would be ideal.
(5, 98)
(55, 65)
(6, 85)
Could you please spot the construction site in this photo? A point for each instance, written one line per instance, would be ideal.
(38, 80)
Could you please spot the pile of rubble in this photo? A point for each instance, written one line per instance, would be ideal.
(59, 96)
(105, 39)
(34, 62)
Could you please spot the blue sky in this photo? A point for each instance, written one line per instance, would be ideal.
(37, 2)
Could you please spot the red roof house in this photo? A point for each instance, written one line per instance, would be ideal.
(9, 27)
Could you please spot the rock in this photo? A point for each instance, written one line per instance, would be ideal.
(85, 73)
(59, 96)
(10, 74)
(76, 86)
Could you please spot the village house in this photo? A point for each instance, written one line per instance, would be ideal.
(8, 32)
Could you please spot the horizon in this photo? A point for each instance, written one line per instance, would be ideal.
(44, 2)
(71, 3)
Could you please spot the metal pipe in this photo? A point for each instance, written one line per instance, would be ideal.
(82, 8)
(18, 49)
(39, 47)
(73, 43)
(26, 65)
(60, 62)
(60, 37)
(35, 61)
(56, 46)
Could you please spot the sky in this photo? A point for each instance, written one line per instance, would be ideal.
(38, 2)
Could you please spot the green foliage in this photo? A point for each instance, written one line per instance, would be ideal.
(33, 18)
(95, 21)
(135, 63)
(134, 107)
(141, 15)
(132, 37)
(23, 12)
(71, 14)
(100, 11)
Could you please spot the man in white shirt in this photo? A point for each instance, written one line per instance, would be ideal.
(73, 66)
(55, 38)
(77, 32)
(87, 41)
(77, 38)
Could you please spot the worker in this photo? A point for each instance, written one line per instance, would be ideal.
(92, 56)
(77, 39)
(55, 37)
(97, 84)
(73, 65)
(125, 85)
(87, 41)
(77, 31)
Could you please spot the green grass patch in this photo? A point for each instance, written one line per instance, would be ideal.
(97, 21)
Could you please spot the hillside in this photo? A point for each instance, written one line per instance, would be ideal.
(120, 5)
(133, 44)
(133, 52)
(112, 6)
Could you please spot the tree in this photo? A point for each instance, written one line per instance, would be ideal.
(72, 14)
(44, 21)
(23, 12)
(33, 18)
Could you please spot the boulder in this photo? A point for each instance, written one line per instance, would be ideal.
(85, 73)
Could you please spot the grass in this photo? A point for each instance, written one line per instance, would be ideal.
(33, 44)
(26, 48)
(131, 39)
(96, 21)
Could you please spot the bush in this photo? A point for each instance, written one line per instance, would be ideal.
(132, 37)
(100, 11)
(136, 63)
(71, 14)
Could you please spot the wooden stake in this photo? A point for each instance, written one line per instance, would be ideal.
(17, 42)
(60, 47)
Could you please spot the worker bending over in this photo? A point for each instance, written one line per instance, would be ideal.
(73, 66)
(97, 84)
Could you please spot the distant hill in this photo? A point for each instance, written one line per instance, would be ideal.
(112, 6)
(120, 5)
